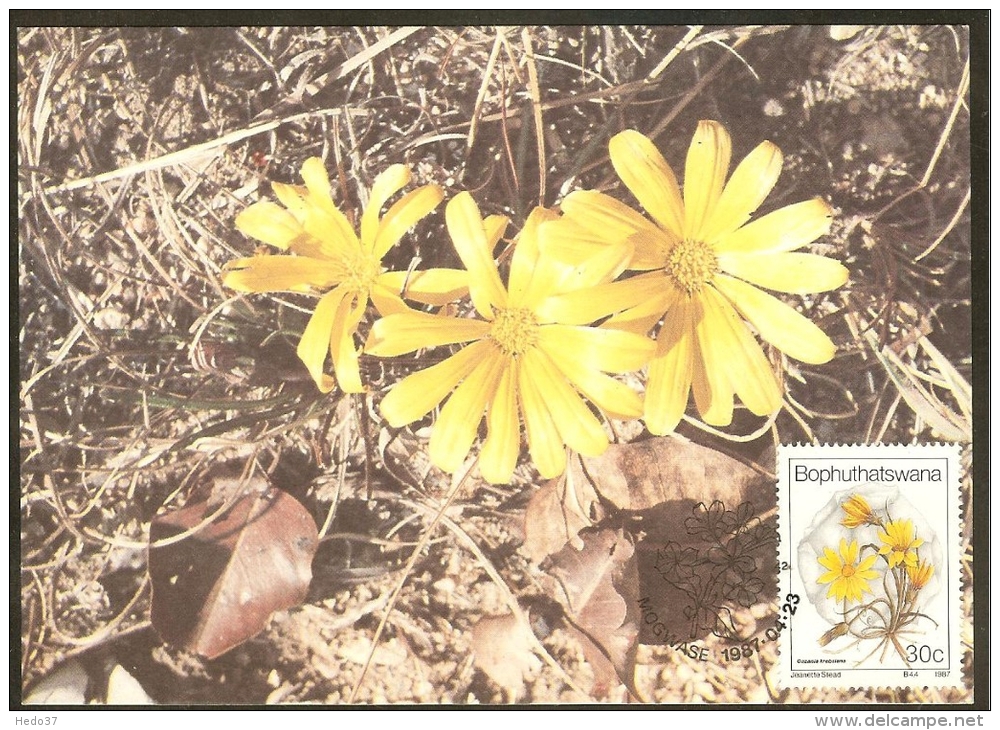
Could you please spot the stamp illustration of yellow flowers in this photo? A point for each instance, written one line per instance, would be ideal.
(890, 615)
(704, 268)
(899, 543)
(328, 257)
(522, 361)
(847, 577)
(857, 512)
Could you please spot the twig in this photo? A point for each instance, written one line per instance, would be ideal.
(194, 151)
(674, 52)
(948, 228)
(360, 59)
(536, 105)
(481, 96)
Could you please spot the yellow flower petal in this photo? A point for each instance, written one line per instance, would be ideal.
(849, 551)
(650, 249)
(831, 562)
(600, 268)
(337, 241)
(749, 185)
(343, 351)
(335, 231)
(750, 372)
(794, 273)
(292, 197)
(641, 318)
(713, 390)
(457, 426)
(322, 218)
(584, 306)
(668, 381)
(387, 184)
(386, 300)
(704, 175)
(785, 229)
(524, 262)
(315, 343)
(502, 446)
(269, 223)
(569, 243)
(602, 218)
(544, 442)
(865, 566)
(613, 397)
(416, 395)
(578, 427)
(609, 350)
(401, 333)
(280, 273)
(403, 215)
(318, 183)
(776, 322)
(644, 171)
(468, 233)
(495, 226)
(430, 286)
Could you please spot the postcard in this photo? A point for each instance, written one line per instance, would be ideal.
(402, 363)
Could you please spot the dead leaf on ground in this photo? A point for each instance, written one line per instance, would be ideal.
(704, 548)
(636, 477)
(502, 649)
(557, 513)
(645, 474)
(218, 587)
(598, 586)
(709, 543)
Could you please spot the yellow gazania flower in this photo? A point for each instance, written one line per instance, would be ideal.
(520, 362)
(704, 265)
(900, 543)
(848, 578)
(330, 257)
(920, 574)
(857, 512)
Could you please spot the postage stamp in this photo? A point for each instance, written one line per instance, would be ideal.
(869, 565)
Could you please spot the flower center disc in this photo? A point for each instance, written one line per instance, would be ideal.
(514, 330)
(847, 571)
(691, 264)
(362, 270)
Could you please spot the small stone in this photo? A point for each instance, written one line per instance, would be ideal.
(684, 673)
(705, 690)
(773, 108)
(445, 585)
(109, 318)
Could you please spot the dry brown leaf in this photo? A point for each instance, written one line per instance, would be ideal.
(598, 586)
(708, 542)
(708, 548)
(557, 513)
(218, 587)
(502, 649)
(642, 475)
(636, 477)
